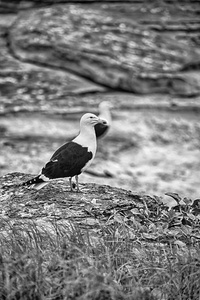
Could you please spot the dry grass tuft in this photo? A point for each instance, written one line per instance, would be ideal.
(112, 262)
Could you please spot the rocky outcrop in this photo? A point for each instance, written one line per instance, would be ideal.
(96, 206)
(93, 204)
(51, 56)
(131, 47)
(26, 87)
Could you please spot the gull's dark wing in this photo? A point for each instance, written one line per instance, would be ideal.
(67, 161)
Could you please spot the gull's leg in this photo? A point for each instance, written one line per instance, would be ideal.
(77, 184)
(70, 183)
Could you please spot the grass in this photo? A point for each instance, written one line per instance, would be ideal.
(112, 261)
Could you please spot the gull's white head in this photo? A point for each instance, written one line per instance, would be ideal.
(91, 120)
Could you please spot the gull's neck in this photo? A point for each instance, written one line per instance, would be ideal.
(87, 138)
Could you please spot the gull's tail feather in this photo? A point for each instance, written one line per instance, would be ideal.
(36, 182)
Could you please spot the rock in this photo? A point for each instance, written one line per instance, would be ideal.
(94, 204)
(26, 87)
(94, 208)
(120, 46)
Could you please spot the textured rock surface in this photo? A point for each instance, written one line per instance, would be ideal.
(121, 46)
(97, 207)
(26, 87)
(53, 56)
(57, 202)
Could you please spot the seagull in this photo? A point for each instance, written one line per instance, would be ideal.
(72, 158)
(104, 109)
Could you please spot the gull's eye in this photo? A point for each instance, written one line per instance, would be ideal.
(91, 117)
